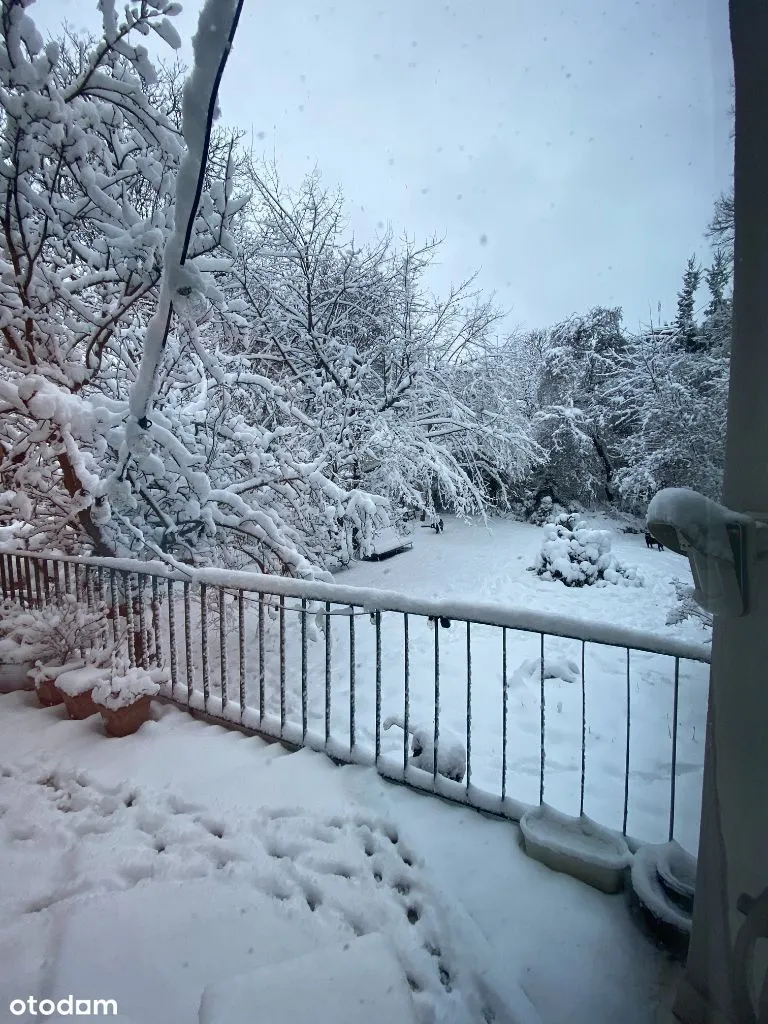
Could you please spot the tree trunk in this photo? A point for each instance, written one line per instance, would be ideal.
(733, 845)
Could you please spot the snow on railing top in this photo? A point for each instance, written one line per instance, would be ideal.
(371, 599)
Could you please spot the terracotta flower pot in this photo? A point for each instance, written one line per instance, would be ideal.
(80, 705)
(48, 693)
(126, 720)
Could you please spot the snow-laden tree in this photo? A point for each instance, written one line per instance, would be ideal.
(674, 403)
(387, 376)
(685, 321)
(572, 422)
(126, 423)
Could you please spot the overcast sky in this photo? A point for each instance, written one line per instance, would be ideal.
(570, 150)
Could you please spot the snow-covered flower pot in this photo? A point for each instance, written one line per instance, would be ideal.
(577, 846)
(43, 680)
(663, 880)
(124, 700)
(76, 687)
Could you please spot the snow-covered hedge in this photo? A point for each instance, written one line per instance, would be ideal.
(581, 557)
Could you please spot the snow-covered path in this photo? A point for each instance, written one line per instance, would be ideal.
(145, 869)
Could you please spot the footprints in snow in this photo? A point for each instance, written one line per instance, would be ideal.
(355, 869)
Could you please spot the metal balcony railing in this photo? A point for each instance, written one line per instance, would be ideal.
(331, 667)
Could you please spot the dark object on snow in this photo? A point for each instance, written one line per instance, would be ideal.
(430, 521)
(651, 542)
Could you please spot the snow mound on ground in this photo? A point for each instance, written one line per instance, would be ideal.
(451, 752)
(581, 557)
(555, 667)
(71, 841)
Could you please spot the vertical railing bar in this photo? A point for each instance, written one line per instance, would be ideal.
(378, 685)
(542, 721)
(436, 734)
(20, 586)
(282, 663)
(188, 640)
(129, 621)
(204, 643)
(223, 665)
(100, 574)
(328, 643)
(102, 601)
(56, 581)
(142, 585)
(504, 712)
(673, 780)
(114, 604)
(38, 584)
(582, 782)
(351, 679)
(78, 581)
(79, 592)
(28, 577)
(3, 577)
(67, 578)
(262, 695)
(172, 638)
(406, 692)
(47, 571)
(241, 649)
(90, 592)
(156, 621)
(304, 694)
(469, 704)
(626, 761)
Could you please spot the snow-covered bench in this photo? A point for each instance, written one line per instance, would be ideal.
(386, 543)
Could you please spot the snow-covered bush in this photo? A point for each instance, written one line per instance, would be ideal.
(686, 607)
(547, 510)
(581, 557)
(124, 686)
(55, 634)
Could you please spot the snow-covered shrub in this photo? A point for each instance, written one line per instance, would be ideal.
(687, 608)
(57, 633)
(548, 510)
(124, 686)
(581, 557)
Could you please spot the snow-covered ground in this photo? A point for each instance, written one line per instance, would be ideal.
(147, 869)
(471, 563)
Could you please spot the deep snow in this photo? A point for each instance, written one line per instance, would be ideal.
(149, 868)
